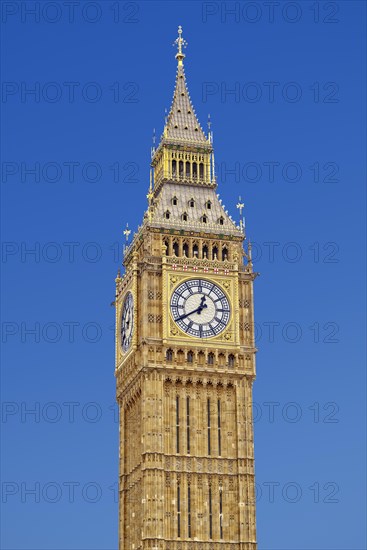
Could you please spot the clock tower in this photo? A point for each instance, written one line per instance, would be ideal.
(185, 355)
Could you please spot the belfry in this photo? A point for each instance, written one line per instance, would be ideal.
(185, 355)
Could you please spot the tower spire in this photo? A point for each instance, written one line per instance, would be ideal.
(181, 123)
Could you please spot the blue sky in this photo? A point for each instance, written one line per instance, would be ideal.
(292, 132)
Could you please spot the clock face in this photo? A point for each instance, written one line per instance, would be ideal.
(200, 308)
(127, 322)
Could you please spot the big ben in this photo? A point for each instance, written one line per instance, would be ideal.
(185, 355)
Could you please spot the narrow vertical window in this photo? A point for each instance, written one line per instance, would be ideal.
(219, 431)
(189, 512)
(210, 514)
(188, 423)
(177, 424)
(201, 170)
(187, 169)
(220, 514)
(178, 512)
(208, 413)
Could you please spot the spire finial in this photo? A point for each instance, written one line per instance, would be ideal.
(181, 43)
(152, 149)
(127, 232)
(240, 205)
(210, 138)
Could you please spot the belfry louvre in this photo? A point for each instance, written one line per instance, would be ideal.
(185, 355)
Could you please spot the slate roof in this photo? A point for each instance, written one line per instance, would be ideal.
(182, 123)
(184, 194)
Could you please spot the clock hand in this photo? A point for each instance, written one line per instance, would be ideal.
(187, 314)
(197, 310)
(202, 305)
(200, 308)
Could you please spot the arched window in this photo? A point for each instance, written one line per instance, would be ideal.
(205, 251)
(201, 170)
(221, 359)
(175, 248)
(167, 214)
(194, 170)
(221, 220)
(174, 201)
(180, 356)
(185, 250)
(169, 355)
(201, 357)
(195, 250)
(208, 205)
(231, 360)
(211, 358)
(190, 356)
(215, 252)
(184, 217)
(191, 203)
(224, 253)
(180, 168)
(174, 168)
(204, 219)
(187, 169)
(165, 243)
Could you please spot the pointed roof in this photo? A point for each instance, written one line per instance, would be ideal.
(180, 214)
(182, 123)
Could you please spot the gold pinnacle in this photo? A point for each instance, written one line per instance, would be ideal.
(181, 43)
(127, 232)
(240, 205)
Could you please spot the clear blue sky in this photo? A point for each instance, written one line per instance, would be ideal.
(100, 88)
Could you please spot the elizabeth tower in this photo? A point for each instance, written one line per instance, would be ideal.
(185, 355)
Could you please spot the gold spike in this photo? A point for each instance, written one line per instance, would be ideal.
(240, 205)
(181, 43)
(127, 232)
